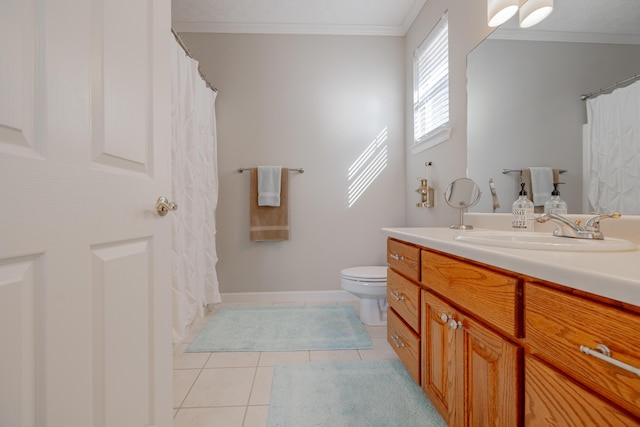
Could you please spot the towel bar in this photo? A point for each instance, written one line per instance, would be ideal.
(300, 170)
(505, 171)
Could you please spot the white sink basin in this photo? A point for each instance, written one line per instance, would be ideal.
(543, 241)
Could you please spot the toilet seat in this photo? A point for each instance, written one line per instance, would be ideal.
(369, 274)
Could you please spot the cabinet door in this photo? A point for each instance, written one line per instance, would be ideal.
(440, 380)
(491, 381)
(554, 399)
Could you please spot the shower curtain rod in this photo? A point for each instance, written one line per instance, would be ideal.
(188, 53)
(613, 86)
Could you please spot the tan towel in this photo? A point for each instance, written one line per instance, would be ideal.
(525, 176)
(268, 222)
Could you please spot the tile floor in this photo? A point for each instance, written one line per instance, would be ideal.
(227, 389)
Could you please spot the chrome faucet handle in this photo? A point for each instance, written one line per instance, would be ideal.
(568, 228)
(594, 222)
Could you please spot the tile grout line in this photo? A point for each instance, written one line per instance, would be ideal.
(180, 407)
(253, 383)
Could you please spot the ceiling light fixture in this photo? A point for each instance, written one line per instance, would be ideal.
(499, 11)
(531, 11)
(534, 11)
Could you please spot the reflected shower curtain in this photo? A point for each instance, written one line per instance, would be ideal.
(613, 122)
(195, 189)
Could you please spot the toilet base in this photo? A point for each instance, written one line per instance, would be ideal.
(373, 311)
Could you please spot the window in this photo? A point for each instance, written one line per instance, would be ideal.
(431, 88)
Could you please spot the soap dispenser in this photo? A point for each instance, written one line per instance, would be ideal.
(555, 204)
(522, 212)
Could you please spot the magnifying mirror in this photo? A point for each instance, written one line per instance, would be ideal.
(462, 194)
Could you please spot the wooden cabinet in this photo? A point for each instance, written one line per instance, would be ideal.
(403, 296)
(552, 398)
(492, 296)
(441, 370)
(497, 348)
(405, 342)
(469, 372)
(562, 328)
(404, 258)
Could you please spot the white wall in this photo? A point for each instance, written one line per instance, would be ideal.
(467, 27)
(315, 102)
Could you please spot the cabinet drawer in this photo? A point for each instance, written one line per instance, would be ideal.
(404, 297)
(404, 258)
(559, 323)
(487, 294)
(551, 398)
(405, 342)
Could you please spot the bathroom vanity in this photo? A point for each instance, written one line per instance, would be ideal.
(512, 337)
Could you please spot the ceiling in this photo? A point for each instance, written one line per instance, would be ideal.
(612, 21)
(357, 17)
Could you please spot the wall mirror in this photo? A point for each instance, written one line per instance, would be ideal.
(462, 194)
(523, 93)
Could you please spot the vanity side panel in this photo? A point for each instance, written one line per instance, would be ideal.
(489, 295)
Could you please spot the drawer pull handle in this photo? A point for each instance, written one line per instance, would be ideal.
(397, 257)
(397, 341)
(603, 353)
(396, 296)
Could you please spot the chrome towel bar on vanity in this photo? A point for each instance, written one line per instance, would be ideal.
(300, 170)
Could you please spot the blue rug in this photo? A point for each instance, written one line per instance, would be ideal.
(350, 394)
(282, 329)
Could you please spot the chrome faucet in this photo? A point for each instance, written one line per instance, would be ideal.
(568, 228)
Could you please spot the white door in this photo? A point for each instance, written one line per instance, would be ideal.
(84, 258)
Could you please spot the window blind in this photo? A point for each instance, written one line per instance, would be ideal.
(431, 83)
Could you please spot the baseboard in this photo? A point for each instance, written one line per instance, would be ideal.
(287, 297)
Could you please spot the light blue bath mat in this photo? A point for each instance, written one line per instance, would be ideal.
(282, 329)
(349, 394)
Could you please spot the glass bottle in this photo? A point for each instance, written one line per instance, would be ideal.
(522, 212)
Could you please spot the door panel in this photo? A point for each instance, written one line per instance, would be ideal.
(122, 93)
(85, 262)
(491, 377)
(17, 71)
(121, 332)
(18, 325)
(441, 366)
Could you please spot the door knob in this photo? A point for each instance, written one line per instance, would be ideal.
(163, 206)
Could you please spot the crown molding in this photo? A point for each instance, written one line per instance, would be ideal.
(246, 28)
(412, 15)
(563, 36)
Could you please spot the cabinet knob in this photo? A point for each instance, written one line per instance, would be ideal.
(453, 323)
(397, 257)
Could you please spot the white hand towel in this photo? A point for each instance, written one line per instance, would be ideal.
(541, 184)
(269, 185)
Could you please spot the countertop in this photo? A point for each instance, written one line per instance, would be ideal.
(615, 275)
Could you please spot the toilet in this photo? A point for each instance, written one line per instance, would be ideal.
(369, 284)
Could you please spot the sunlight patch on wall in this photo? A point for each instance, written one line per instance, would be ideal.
(367, 167)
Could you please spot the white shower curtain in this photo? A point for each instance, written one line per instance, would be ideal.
(195, 190)
(613, 122)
